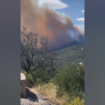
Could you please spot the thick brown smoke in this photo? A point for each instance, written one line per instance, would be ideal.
(46, 22)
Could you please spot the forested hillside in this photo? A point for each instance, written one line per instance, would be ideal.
(72, 54)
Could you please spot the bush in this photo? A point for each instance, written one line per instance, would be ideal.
(76, 101)
(70, 80)
(36, 77)
(40, 76)
(30, 80)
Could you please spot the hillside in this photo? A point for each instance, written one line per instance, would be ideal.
(72, 54)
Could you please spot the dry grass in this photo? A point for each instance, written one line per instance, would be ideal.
(49, 92)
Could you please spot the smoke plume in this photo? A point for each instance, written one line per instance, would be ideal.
(56, 26)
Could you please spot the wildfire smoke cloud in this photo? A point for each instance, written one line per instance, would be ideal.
(47, 22)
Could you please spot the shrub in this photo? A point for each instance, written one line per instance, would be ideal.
(30, 80)
(70, 80)
(36, 77)
(40, 76)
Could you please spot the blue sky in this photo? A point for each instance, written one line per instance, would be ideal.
(74, 10)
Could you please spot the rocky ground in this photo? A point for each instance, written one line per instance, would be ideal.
(28, 102)
(34, 98)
